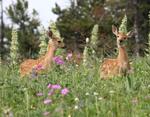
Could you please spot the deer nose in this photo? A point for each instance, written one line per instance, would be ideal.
(121, 41)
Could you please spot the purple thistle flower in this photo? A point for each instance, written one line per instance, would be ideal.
(47, 101)
(46, 113)
(64, 91)
(49, 85)
(58, 60)
(56, 86)
(39, 94)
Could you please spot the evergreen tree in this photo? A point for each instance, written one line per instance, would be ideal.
(14, 55)
(43, 43)
(123, 26)
(27, 26)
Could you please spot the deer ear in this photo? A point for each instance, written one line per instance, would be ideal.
(114, 30)
(49, 32)
(130, 33)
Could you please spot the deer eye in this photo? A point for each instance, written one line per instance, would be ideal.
(59, 41)
(117, 36)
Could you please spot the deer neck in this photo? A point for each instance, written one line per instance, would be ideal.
(49, 57)
(122, 56)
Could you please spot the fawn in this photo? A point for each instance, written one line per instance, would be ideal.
(45, 61)
(119, 66)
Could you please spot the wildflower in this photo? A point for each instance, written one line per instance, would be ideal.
(33, 73)
(76, 99)
(147, 97)
(7, 112)
(49, 85)
(39, 94)
(134, 101)
(100, 98)
(56, 86)
(50, 92)
(39, 67)
(76, 107)
(46, 113)
(58, 60)
(87, 40)
(69, 56)
(64, 91)
(111, 92)
(47, 101)
(95, 93)
(87, 93)
(69, 115)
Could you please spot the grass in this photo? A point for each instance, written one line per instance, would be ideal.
(89, 96)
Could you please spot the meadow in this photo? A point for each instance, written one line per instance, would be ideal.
(85, 94)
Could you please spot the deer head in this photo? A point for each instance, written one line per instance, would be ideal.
(54, 41)
(121, 37)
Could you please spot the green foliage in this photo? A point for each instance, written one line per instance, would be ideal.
(14, 50)
(43, 43)
(89, 96)
(123, 26)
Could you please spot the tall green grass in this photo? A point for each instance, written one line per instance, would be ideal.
(89, 96)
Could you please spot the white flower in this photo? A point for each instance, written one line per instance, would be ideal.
(69, 115)
(76, 107)
(87, 93)
(100, 98)
(95, 93)
(76, 99)
(111, 92)
(87, 40)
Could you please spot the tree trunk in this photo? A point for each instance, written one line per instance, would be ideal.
(1, 31)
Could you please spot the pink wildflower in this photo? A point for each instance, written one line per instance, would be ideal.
(69, 56)
(47, 101)
(39, 67)
(64, 91)
(56, 86)
(49, 85)
(50, 92)
(39, 94)
(46, 113)
(58, 60)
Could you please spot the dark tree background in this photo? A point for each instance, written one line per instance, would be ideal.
(75, 23)
(27, 25)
